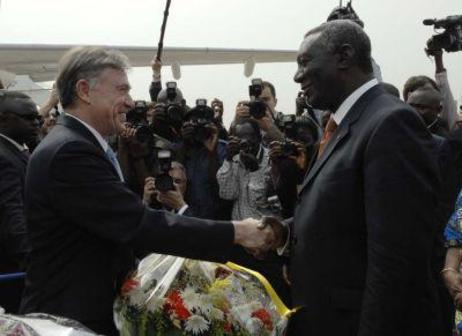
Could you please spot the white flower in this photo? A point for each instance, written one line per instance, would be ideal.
(137, 297)
(216, 314)
(206, 305)
(196, 324)
(191, 299)
(154, 304)
(254, 326)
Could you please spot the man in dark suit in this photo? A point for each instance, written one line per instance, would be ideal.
(361, 239)
(18, 124)
(83, 222)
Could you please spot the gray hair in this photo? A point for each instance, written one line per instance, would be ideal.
(334, 34)
(85, 63)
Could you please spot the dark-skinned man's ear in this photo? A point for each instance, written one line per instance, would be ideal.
(345, 56)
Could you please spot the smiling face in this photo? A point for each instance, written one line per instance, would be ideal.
(110, 100)
(317, 72)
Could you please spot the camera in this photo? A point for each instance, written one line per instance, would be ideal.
(286, 123)
(257, 107)
(163, 158)
(171, 90)
(289, 149)
(137, 118)
(201, 116)
(450, 39)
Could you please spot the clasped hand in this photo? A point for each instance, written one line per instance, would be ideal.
(260, 236)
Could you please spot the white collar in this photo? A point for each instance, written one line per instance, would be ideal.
(21, 148)
(348, 103)
(93, 131)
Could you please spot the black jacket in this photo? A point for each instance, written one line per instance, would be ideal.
(13, 243)
(84, 225)
(363, 231)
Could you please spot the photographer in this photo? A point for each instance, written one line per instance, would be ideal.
(171, 200)
(217, 107)
(290, 159)
(156, 85)
(169, 113)
(262, 108)
(49, 112)
(244, 176)
(204, 154)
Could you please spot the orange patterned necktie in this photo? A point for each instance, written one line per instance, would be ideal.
(328, 131)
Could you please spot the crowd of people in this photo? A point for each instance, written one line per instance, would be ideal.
(348, 204)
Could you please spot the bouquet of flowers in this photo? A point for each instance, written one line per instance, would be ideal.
(41, 325)
(176, 296)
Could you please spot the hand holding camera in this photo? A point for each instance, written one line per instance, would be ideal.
(149, 190)
(172, 199)
(234, 146)
(211, 142)
(288, 149)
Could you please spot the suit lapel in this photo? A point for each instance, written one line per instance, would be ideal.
(341, 134)
(14, 151)
(337, 137)
(80, 128)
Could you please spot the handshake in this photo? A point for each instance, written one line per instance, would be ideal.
(260, 236)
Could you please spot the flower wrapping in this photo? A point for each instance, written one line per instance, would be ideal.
(176, 296)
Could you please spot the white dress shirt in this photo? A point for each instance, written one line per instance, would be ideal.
(348, 103)
(99, 137)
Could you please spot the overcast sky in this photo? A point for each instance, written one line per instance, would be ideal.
(394, 26)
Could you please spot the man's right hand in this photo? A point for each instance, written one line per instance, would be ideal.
(149, 190)
(156, 65)
(253, 235)
(453, 282)
(275, 152)
(233, 147)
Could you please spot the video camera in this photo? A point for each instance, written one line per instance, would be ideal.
(201, 116)
(257, 107)
(137, 118)
(449, 40)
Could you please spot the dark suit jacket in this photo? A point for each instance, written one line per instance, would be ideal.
(84, 224)
(363, 230)
(13, 245)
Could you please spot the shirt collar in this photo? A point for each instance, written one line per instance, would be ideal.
(103, 143)
(348, 103)
(21, 148)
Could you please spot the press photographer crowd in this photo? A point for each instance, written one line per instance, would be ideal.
(350, 205)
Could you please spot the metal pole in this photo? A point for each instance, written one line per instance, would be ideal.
(160, 46)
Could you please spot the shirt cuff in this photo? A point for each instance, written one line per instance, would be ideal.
(284, 250)
(183, 209)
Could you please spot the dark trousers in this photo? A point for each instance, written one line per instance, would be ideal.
(10, 295)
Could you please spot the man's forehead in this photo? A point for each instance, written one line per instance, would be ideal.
(20, 105)
(117, 76)
(266, 92)
(425, 96)
(307, 43)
